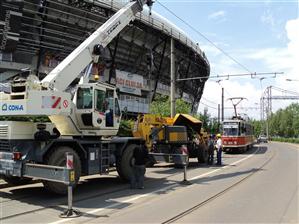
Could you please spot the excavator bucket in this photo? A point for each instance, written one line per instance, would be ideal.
(188, 121)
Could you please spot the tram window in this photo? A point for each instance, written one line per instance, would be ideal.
(243, 131)
(230, 131)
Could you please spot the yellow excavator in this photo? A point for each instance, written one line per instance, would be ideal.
(178, 135)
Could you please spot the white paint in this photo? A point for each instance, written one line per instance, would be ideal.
(129, 82)
(157, 191)
(92, 156)
(224, 167)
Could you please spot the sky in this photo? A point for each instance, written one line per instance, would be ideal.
(263, 36)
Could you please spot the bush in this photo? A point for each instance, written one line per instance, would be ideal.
(125, 128)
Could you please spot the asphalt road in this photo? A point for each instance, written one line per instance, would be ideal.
(260, 185)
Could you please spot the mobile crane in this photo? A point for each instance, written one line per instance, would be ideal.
(80, 123)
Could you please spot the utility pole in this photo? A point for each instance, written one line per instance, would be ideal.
(222, 105)
(218, 126)
(172, 79)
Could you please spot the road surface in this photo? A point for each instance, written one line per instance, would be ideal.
(260, 185)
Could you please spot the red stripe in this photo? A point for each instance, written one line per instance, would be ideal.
(70, 164)
(56, 103)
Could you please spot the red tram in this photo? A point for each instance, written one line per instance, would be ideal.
(237, 135)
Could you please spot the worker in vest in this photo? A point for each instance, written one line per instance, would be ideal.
(219, 149)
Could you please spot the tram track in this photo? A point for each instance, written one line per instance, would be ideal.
(219, 194)
(6, 186)
(58, 206)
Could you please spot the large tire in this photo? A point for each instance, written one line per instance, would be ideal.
(202, 153)
(15, 181)
(124, 163)
(58, 158)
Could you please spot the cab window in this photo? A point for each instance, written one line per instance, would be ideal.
(117, 110)
(84, 98)
(100, 100)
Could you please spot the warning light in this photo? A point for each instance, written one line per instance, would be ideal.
(96, 77)
(17, 155)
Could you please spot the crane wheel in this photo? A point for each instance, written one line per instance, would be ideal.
(124, 163)
(58, 158)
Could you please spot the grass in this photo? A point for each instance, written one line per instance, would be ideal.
(290, 140)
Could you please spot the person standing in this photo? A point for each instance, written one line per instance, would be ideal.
(219, 149)
(140, 156)
(211, 146)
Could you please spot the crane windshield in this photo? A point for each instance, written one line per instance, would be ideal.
(84, 98)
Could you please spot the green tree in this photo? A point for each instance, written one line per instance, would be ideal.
(204, 118)
(211, 125)
(285, 122)
(161, 106)
(257, 125)
(182, 107)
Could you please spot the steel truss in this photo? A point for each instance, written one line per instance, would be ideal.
(266, 101)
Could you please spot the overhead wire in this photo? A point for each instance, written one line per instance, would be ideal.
(213, 44)
(202, 35)
(208, 100)
(224, 89)
(208, 106)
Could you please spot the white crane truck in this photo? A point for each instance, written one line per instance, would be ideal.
(79, 122)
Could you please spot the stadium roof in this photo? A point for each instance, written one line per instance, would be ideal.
(56, 28)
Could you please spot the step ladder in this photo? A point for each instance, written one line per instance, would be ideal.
(104, 158)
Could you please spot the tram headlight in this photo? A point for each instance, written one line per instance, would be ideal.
(235, 142)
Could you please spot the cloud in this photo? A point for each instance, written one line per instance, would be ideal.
(282, 59)
(219, 15)
(268, 19)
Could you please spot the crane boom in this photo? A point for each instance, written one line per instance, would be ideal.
(70, 68)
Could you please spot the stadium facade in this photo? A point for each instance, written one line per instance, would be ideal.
(38, 34)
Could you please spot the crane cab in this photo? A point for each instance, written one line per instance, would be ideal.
(97, 107)
(95, 112)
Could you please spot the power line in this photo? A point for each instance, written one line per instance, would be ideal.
(207, 39)
(253, 75)
(242, 108)
(208, 106)
(224, 89)
(208, 100)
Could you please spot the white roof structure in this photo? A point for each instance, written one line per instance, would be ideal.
(157, 21)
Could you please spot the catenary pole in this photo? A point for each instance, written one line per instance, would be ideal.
(172, 78)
